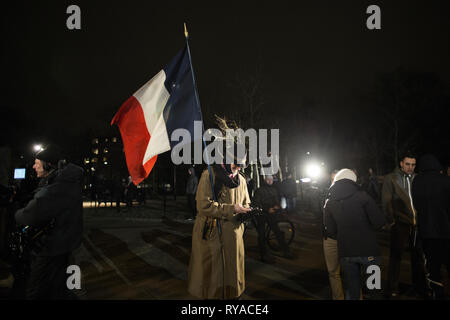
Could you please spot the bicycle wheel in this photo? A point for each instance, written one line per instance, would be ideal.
(288, 230)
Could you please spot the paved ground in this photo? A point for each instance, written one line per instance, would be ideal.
(142, 253)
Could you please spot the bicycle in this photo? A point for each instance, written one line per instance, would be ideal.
(285, 225)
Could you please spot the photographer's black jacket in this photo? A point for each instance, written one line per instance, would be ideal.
(59, 199)
(351, 216)
(431, 197)
(266, 197)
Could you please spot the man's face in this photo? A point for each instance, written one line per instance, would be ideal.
(39, 168)
(269, 181)
(408, 165)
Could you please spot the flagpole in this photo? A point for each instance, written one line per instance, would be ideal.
(197, 100)
(219, 227)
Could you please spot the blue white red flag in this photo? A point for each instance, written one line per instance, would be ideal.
(148, 118)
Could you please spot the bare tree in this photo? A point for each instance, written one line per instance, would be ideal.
(400, 99)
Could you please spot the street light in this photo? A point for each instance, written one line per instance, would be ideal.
(38, 147)
(313, 170)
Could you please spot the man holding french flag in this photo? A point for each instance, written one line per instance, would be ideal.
(148, 118)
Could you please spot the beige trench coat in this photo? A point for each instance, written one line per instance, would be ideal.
(217, 266)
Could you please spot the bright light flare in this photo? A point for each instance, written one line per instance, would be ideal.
(38, 147)
(313, 170)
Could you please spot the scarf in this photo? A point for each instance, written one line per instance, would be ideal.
(224, 177)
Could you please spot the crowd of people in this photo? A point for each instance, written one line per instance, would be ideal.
(118, 190)
(413, 208)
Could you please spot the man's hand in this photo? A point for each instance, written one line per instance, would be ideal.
(240, 209)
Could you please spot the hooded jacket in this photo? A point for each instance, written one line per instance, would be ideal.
(59, 199)
(431, 198)
(351, 216)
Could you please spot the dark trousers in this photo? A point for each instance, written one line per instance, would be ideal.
(402, 238)
(192, 204)
(437, 253)
(47, 278)
(355, 270)
(260, 223)
(291, 204)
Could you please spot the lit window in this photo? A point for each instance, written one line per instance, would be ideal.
(95, 141)
(105, 150)
(106, 139)
(105, 159)
(114, 139)
(94, 160)
(86, 160)
(95, 151)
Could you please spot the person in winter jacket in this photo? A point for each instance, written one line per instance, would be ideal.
(402, 219)
(371, 186)
(431, 199)
(57, 198)
(289, 188)
(268, 198)
(351, 217)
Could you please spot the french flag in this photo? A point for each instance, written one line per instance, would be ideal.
(148, 118)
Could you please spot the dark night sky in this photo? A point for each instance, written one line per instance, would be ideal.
(69, 81)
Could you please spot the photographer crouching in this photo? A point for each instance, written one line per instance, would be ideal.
(56, 208)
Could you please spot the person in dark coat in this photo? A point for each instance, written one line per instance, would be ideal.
(371, 185)
(402, 219)
(57, 198)
(191, 190)
(289, 188)
(268, 198)
(431, 198)
(351, 216)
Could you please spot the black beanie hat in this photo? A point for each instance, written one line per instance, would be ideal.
(51, 154)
